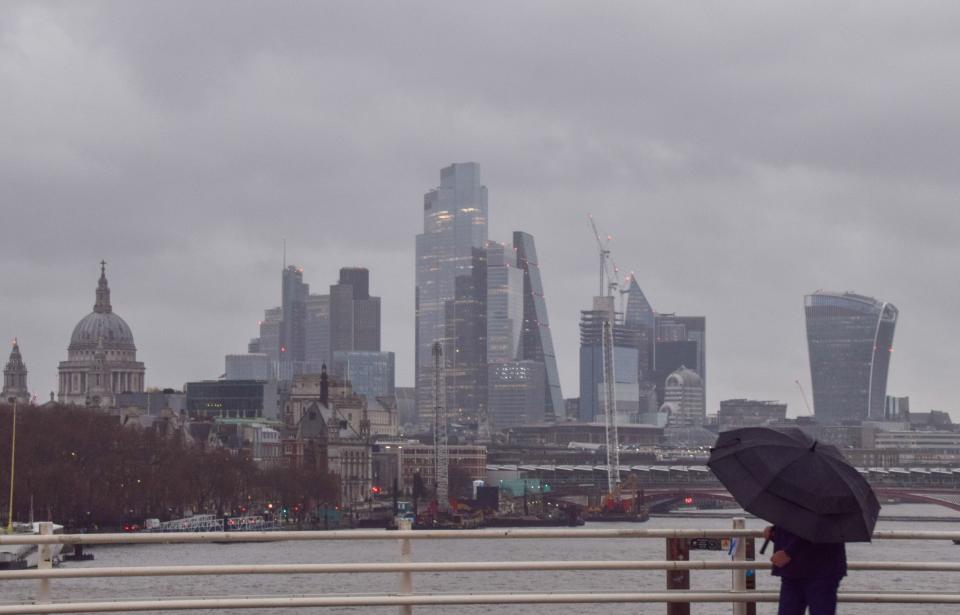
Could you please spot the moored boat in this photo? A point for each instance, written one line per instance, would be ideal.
(27, 556)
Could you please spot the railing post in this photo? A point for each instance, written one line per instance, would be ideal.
(406, 577)
(678, 549)
(45, 561)
(739, 581)
(751, 575)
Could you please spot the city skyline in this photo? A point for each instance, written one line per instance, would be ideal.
(186, 172)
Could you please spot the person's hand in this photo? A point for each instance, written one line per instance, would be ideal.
(768, 533)
(780, 559)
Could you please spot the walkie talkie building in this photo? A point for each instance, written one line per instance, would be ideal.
(850, 340)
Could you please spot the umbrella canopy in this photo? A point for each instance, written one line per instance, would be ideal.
(793, 481)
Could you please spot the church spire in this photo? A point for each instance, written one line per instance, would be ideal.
(102, 306)
(15, 377)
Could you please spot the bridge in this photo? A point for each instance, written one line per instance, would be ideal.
(664, 484)
(462, 590)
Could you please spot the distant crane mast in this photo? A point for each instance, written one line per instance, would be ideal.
(441, 453)
(803, 394)
(610, 410)
(609, 397)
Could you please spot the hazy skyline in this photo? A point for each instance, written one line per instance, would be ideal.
(742, 156)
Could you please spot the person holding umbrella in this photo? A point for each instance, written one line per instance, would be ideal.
(810, 573)
(815, 500)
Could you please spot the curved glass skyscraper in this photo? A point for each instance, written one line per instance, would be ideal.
(850, 339)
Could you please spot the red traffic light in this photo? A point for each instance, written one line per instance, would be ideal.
(688, 500)
(375, 489)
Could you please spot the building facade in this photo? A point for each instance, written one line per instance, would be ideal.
(516, 394)
(625, 364)
(102, 357)
(232, 399)
(454, 229)
(684, 400)
(736, 413)
(370, 374)
(850, 340)
(536, 341)
(250, 366)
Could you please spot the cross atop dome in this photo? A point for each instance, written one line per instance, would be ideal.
(102, 305)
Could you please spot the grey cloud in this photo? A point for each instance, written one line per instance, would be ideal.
(741, 155)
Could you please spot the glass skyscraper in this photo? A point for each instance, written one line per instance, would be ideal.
(454, 230)
(850, 339)
(536, 341)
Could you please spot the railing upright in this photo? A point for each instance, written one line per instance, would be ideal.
(44, 562)
(678, 549)
(739, 580)
(406, 577)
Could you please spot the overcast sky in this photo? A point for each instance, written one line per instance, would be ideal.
(741, 154)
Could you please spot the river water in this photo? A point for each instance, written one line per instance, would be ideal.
(494, 550)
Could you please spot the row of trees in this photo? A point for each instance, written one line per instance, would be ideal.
(83, 469)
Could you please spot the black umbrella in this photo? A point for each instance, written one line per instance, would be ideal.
(793, 481)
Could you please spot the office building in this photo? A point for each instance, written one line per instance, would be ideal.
(850, 339)
(15, 378)
(896, 408)
(354, 314)
(370, 374)
(504, 303)
(516, 394)
(235, 399)
(465, 346)
(536, 341)
(736, 413)
(625, 363)
(293, 323)
(250, 366)
(454, 229)
(317, 332)
(680, 342)
(684, 400)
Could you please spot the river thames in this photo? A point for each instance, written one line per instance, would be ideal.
(494, 550)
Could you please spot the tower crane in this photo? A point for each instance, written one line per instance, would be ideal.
(609, 271)
(803, 394)
(441, 454)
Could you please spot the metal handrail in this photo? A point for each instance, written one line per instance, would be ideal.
(406, 599)
(201, 537)
(387, 567)
(462, 599)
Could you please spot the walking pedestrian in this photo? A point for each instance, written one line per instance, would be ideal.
(810, 572)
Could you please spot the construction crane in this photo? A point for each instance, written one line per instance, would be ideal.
(608, 270)
(441, 453)
(803, 394)
(610, 411)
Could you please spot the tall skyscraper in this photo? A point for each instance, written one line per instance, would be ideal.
(454, 228)
(370, 373)
(465, 345)
(293, 324)
(15, 378)
(504, 303)
(536, 341)
(317, 332)
(850, 339)
(639, 315)
(354, 314)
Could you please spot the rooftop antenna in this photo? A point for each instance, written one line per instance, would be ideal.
(284, 253)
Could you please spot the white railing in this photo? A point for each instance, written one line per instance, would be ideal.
(406, 599)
